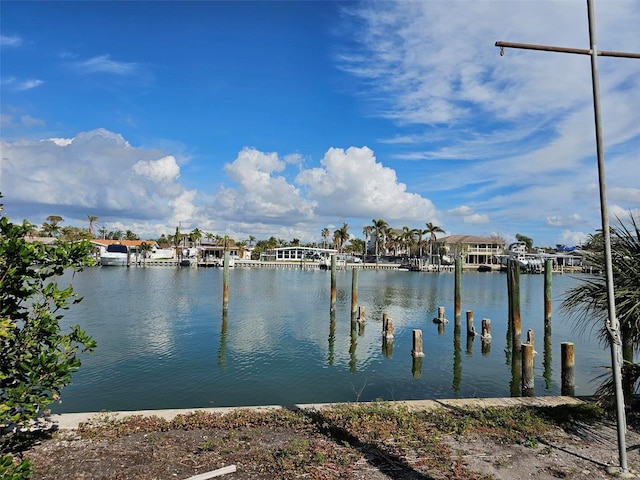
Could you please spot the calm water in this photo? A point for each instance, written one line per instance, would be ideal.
(163, 341)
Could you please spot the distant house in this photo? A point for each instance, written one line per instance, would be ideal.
(210, 251)
(474, 250)
(297, 253)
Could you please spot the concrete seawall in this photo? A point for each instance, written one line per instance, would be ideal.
(69, 421)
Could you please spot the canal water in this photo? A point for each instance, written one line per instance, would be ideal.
(163, 341)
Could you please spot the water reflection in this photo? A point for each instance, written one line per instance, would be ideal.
(155, 328)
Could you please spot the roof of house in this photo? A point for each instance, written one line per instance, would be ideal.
(470, 239)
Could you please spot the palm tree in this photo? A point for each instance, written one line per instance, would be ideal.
(380, 228)
(92, 219)
(420, 233)
(588, 302)
(432, 230)
(341, 235)
(195, 236)
(366, 231)
(407, 240)
(325, 236)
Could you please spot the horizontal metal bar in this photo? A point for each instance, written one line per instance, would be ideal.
(580, 51)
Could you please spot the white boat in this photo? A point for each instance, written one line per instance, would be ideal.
(116, 254)
(530, 262)
(516, 251)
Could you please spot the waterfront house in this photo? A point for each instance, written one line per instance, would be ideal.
(474, 250)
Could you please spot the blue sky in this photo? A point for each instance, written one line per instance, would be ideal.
(282, 118)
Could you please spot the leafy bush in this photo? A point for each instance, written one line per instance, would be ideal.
(37, 358)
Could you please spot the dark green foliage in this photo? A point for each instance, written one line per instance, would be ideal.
(37, 358)
(587, 302)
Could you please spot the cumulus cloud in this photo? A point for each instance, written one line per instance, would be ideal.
(261, 193)
(351, 183)
(163, 170)
(469, 216)
(95, 171)
(568, 237)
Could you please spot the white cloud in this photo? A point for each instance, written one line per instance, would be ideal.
(469, 216)
(96, 171)
(163, 170)
(351, 183)
(567, 237)
(104, 64)
(261, 195)
(10, 41)
(21, 85)
(559, 221)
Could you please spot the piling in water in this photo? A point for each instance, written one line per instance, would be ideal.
(527, 370)
(513, 290)
(361, 314)
(471, 330)
(225, 282)
(387, 327)
(334, 295)
(354, 292)
(548, 271)
(568, 386)
(486, 330)
(457, 292)
(417, 344)
(440, 318)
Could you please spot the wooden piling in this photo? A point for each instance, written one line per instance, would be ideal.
(513, 279)
(417, 344)
(385, 319)
(457, 291)
(568, 385)
(225, 282)
(361, 314)
(486, 330)
(354, 293)
(471, 330)
(388, 330)
(548, 273)
(530, 337)
(440, 318)
(334, 290)
(527, 370)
